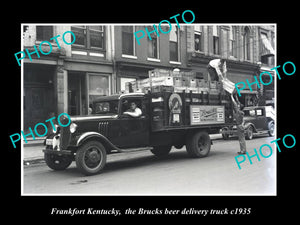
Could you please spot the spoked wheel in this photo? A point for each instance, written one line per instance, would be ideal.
(198, 144)
(57, 162)
(91, 158)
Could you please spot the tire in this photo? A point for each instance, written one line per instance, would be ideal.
(161, 151)
(198, 144)
(57, 162)
(91, 158)
(249, 133)
(271, 127)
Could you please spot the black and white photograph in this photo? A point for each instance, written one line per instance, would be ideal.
(131, 109)
(145, 112)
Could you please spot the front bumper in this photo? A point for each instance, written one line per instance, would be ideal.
(53, 146)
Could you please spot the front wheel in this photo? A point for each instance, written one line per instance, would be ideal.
(198, 144)
(161, 151)
(57, 162)
(91, 158)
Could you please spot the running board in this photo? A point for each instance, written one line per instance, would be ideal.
(130, 150)
(261, 132)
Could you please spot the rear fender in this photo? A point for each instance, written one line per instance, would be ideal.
(87, 136)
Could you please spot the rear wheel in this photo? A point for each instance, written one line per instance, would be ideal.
(161, 151)
(198, 144)
(57, 162)
(91, 158)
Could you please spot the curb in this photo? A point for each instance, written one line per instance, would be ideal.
(32, 142)
(33, 161)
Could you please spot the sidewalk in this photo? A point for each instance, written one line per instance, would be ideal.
(32, 150)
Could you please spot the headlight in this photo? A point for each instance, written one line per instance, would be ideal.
(73, 127)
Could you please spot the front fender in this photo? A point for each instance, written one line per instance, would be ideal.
(248, 125)
(96, 136)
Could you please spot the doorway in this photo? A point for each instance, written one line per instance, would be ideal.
(38, 95)
(77, 94)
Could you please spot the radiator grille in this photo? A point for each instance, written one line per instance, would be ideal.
(103, 128)
(65, 136)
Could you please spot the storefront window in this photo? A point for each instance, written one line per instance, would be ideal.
(98, 86)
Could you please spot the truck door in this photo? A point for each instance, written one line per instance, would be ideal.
(260, 122)
(133, 131)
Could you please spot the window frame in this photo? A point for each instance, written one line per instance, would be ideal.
(200, 33)
(232, 42)
(43, 38)
(216, 40)
(126, 55)
(87, 36)
(177, 31)
(246, 44)
(153, 58)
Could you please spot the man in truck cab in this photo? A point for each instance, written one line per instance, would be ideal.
(133, 111)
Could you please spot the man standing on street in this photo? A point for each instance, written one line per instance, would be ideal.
(238, 115)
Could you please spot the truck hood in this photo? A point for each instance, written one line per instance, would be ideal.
(93, 117)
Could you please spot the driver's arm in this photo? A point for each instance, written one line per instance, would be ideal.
(137, 113)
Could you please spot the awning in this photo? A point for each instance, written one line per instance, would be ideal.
(267, 49)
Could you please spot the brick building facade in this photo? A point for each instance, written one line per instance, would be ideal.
(103, 58)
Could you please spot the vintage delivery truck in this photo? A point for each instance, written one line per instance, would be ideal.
(168, 119)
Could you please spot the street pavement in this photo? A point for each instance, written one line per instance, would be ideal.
(141, 173)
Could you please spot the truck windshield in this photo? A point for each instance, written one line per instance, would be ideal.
(106, 107)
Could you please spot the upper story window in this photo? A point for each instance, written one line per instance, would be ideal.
(44, 33)
(267, 51)
(198, 38)
(153, 45)
(174, 44)
(128, 40)
(232, 39)
(246, 43)
(216, 46)
(96, 36)
(90, 37)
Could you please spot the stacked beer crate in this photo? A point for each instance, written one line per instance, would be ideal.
(172, 81)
